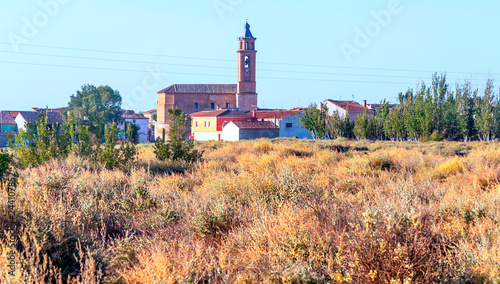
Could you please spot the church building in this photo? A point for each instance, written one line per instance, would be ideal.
(191, 98)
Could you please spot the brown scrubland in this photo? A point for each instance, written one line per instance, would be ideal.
(264, 211)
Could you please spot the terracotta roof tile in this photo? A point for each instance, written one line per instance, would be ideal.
(255, 124)
(150, 111)
(221, 113)
(201, 89)
(269, 114)
(349, 105)
(208, 113)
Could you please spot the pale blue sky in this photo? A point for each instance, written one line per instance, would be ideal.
(308, 51)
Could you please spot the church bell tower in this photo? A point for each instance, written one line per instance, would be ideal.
(246, 98)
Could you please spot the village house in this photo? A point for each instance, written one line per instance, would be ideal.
(191, 98)
(207, 125)
(247, 130)
(23, 118)
(351, 108)
(143, 122)
(286, 120)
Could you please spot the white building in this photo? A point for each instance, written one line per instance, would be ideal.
(286, 120)
(141, 121)
(247, 130)
(348, 107)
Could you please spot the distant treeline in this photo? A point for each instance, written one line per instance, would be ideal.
(433, 112)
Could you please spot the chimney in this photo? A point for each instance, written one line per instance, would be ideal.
(275, 122)
(254, 114)
(364, 103)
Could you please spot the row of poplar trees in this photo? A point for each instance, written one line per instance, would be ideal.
(432, 112)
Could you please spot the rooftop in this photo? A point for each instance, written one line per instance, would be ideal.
(348, 105)
(6, 118)
(221, 113)
(201, 89)
(248, 33)
(150, 111)
(32, 116)
(270, 114)
(254, 124)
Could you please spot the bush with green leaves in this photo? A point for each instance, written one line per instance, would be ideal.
(177, 147)
(39, 143)
(110, 154)
(6, 161)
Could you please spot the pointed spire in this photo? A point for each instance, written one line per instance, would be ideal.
(248, 33)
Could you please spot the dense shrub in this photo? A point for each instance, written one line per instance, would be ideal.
(176, 147)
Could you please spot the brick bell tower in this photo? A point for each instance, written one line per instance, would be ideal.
(246, 98)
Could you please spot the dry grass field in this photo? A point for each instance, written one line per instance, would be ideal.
(265, 211)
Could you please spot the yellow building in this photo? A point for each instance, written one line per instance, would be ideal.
(207, 125)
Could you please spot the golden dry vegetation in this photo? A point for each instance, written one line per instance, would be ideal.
(265, 211)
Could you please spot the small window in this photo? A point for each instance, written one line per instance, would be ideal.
(205, 124)
(228, 105)
(289, 124)
(196, 124)
(212, 106)
(209, 124)
(196, 106)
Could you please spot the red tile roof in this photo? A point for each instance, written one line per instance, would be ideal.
(201, 89)
(220, 113)
(269, 114)
(348, 105)
(150, 111)
(255, 124)
(208, 113)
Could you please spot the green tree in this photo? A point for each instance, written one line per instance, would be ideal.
(484, 113)
(394, 126)
(39, 143)
(450, 118)
(177, 147)
(361, 126)
(132, 132)
(95, 107)
(110, 154)
(314, 120)
(378, 120)
(465, 111)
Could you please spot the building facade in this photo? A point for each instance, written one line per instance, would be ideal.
(191, 98)
(208, 125)
(286, 120)
(247, 130)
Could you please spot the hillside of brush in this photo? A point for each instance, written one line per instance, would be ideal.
(264, 211)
